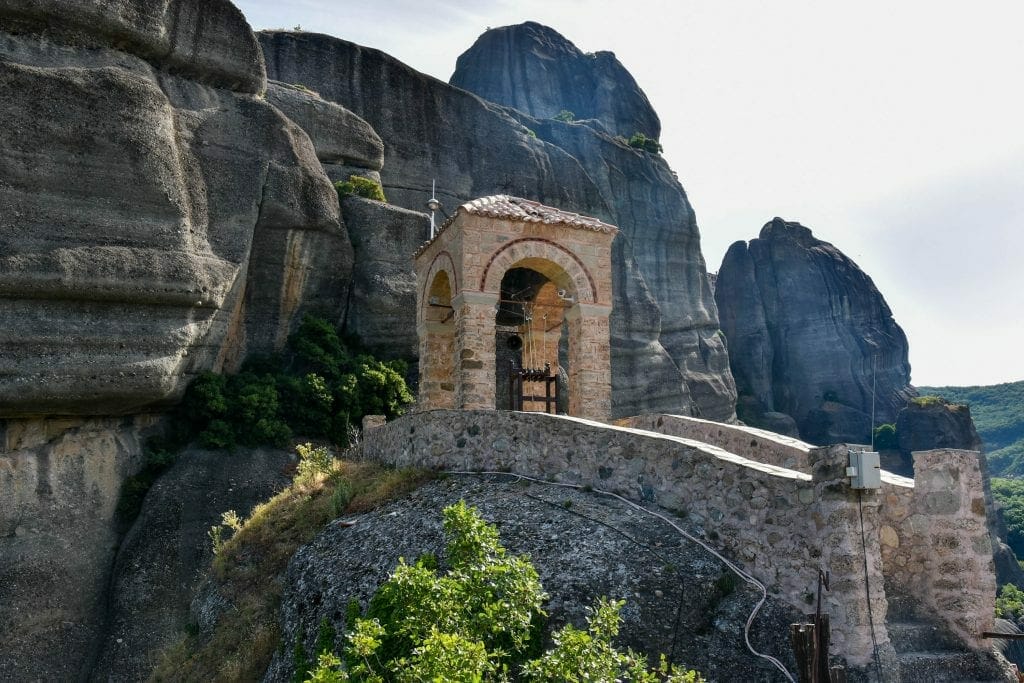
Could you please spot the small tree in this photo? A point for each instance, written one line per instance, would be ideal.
(480, 621)
(566, 116)
(885, 438)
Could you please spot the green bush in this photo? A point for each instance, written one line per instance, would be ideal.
(319, 388)
(360, 187)
(885, 438)
(1010, 604)
(566, 116)
(641, 141)
(480, 621)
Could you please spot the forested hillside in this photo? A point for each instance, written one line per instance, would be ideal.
(998, 413)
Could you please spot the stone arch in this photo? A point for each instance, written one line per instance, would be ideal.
(548, 258)
(441, 265)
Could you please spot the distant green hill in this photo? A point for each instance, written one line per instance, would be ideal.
(998, 413)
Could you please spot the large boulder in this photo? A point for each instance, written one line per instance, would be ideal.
(147, 190)
(167, 553)
(931, 422)
(535, 69)
(810, 336)
(666, 353)
(680, 600)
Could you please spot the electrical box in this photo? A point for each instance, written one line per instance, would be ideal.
(865, 470)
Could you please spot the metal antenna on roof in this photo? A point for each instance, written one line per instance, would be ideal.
(433, 205)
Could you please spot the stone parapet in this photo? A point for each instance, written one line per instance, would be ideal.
(750, 442)
(779, 524)
(935, 544)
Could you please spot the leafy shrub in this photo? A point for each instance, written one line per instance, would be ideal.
(885, 438)
(313, 461)
(319, 388)
(361, 187)
(641, 141)
(478, 622)
(566, 116)
(1010, 604)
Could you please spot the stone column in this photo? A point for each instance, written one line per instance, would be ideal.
(837, 514)
(474, 341)
(437, 365)
(590, 367)
(947, 535)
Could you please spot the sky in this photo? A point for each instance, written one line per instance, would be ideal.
(894, 130)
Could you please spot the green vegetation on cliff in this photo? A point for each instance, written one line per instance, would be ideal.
(320, 387)
(998, 413)
(248, 565)
(481, 620)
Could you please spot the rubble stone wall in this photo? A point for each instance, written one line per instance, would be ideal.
(779, 524)
(935, 546)
(750, 442)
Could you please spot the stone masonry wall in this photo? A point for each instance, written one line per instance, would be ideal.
(756, 444)
(936, 549)
(781, 525)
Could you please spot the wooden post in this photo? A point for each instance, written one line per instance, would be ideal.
(801, 636)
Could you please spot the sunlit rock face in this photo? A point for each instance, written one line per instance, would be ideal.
(667, 355)
(157, 217)
(810, 336)
(538, 71)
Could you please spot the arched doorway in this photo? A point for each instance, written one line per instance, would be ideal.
(503, 267)
(531, 339)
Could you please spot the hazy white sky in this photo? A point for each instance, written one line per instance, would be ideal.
(894, 130)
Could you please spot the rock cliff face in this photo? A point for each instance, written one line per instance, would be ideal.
(167, 552)
(536, 70)
(59, 487)
(159, 217)
(807, 330)
(666, 355)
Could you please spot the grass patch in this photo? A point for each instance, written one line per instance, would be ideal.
(249, 566)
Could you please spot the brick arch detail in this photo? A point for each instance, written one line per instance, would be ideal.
(537, 248)
(443, 262)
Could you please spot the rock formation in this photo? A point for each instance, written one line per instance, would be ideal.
(927, 423)
(536, 70)
(345, 144)
(808, 335)
(160, 218)
(666, 353)
(383, 289)
(679, 599)
(167, 553)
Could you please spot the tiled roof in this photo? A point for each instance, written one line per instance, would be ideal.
(518, 209)
(506, 207)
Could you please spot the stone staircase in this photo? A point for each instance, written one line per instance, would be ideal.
(927, 653)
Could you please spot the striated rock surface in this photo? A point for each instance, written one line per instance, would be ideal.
(59, 486)
(666, 355)
(167, 553)
(926, 424)
(807, 330)
(535, 69)
(680, 600)
(383, 283)
(345, 144)
(158, 215)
